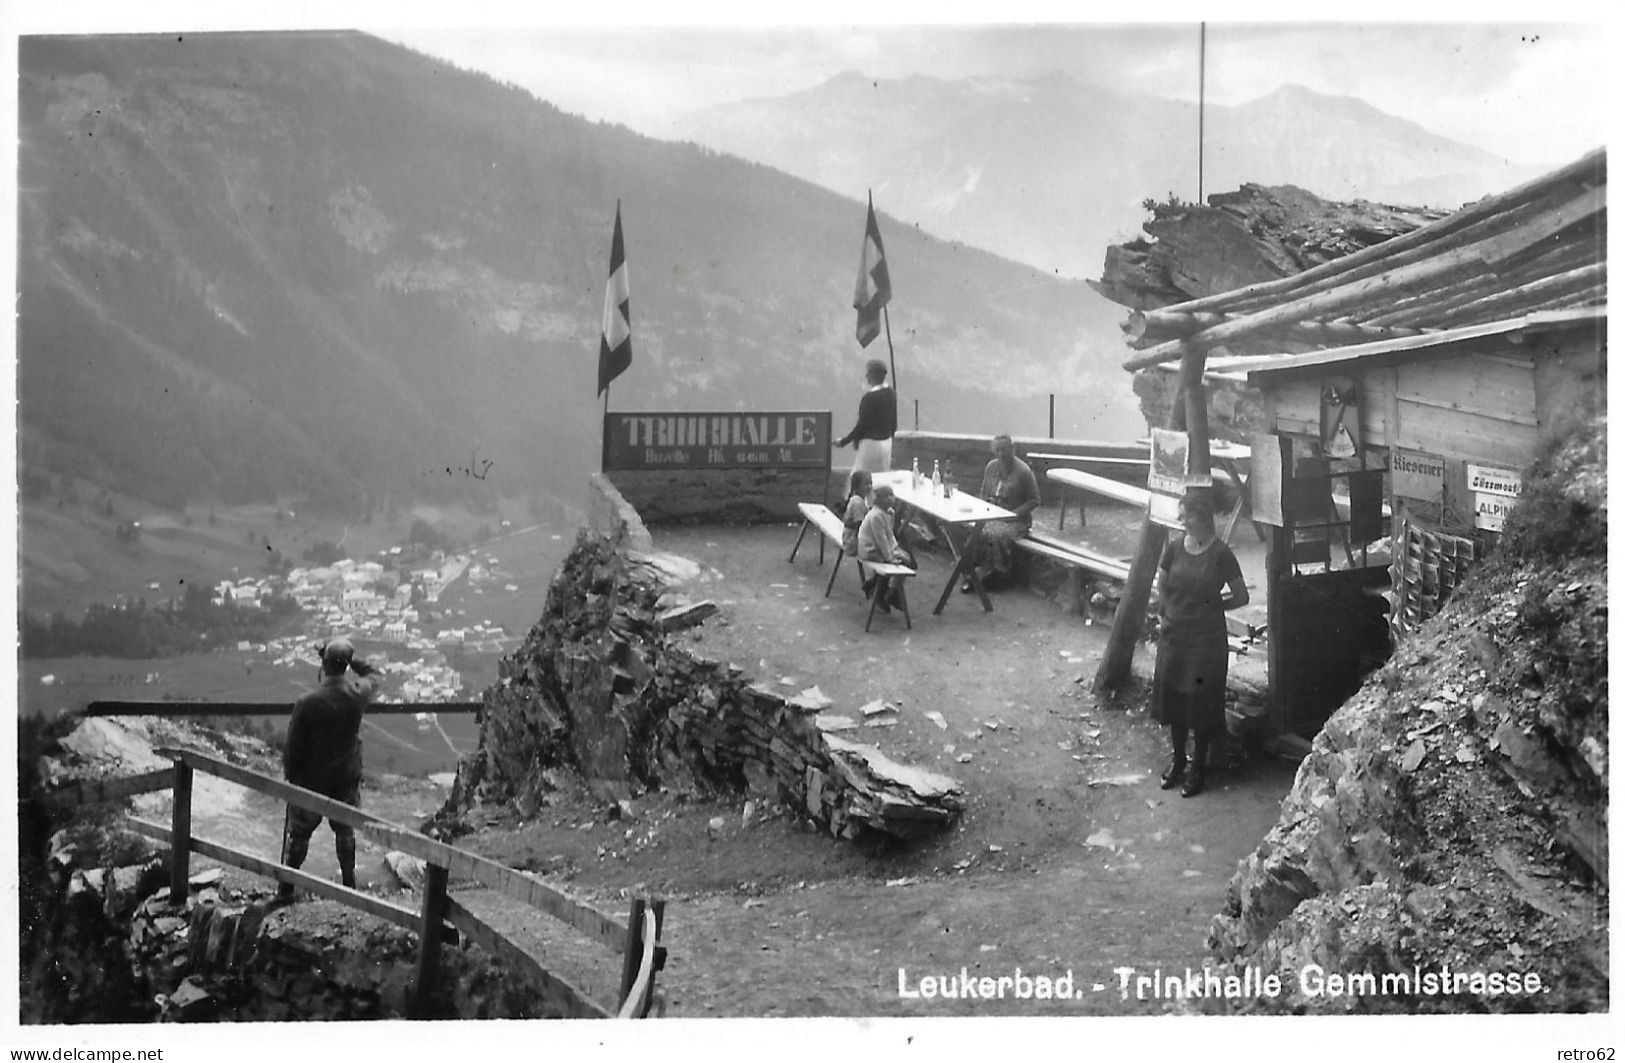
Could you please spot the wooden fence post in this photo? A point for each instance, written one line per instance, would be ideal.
(658, 906)
(180, 839)
(634, 950)
(425, 985)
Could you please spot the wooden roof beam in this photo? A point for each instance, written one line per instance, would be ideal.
(1459, 264)
(1531, 297)
(1143, 330)
(1449, 267)
(1588, 170)
(1424, 309)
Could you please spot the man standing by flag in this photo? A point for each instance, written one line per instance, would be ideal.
(877, 422)
(615, 342)
(877, 410)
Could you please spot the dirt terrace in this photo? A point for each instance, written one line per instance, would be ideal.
(1068, 858)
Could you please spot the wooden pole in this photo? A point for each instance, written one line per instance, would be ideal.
(180, 839)
(1117, 660)
(633, 954)
(426, 983)
(1052, 415)
(885, 315)
(1199, 462)
(1201, 109)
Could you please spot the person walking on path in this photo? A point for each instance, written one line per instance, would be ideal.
(877, 423)
(1193, 649)
(324, 753)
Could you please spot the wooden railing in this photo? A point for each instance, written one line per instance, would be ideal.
(440, 918)
(267, 708)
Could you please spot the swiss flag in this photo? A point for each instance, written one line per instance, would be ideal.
(874, 282)
(615, 344)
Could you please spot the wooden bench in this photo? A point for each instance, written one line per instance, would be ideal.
(1074, 554)
(1122, 469)
(888, 576)
(1090, 483)
(1079, 561)
(1139, 497)
(830, 528)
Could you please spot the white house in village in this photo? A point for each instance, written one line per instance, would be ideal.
(362, 599)
(395, 631)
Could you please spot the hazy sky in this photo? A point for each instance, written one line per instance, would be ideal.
(1529, 92)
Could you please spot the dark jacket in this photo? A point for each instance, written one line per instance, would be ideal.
(324, 732)
(877, 417)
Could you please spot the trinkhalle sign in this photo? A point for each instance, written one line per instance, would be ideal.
(729, 440)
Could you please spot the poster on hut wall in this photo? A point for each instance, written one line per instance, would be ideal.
(1171, 464)
(1418, 475)
(1495, 491)
(1265, 482)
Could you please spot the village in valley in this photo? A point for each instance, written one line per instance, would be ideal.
(394, 601)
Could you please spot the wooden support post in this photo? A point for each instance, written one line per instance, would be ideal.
(634, 941)
(1277, 567)
(426, 984)
(1118, 658)
(658, 906)
(1117, 661)
(1200, 462)
(180, 840)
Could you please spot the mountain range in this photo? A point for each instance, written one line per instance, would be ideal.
(1050, 171)
(323, 266)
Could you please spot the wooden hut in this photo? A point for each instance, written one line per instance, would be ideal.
(1393, 400)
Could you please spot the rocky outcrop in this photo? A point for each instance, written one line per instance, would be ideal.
(1248, 236)
(1243, 237)
(598, 689)
(1453, 815)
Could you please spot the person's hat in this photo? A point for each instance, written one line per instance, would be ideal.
(338, 649)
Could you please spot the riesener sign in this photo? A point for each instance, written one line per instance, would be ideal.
(728, 440)
(1418, 475)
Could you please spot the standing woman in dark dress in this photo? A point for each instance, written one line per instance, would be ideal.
(1193, 651)
(877, 423)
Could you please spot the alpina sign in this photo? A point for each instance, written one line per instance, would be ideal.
(643, 441)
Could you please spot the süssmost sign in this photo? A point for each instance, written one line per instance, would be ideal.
(787, 439)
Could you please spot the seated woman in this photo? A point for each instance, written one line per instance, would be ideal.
(857, 507)
(877, 542)
(1008, 482)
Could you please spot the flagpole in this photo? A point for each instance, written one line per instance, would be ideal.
(885, 315)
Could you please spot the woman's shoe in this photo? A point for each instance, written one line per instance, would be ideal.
(1173, 773)
(1195, 783)
(967, 587)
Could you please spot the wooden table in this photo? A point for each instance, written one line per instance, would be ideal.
(961, 518)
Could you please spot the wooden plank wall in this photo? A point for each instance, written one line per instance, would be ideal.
(735, 495)
(1473, 407)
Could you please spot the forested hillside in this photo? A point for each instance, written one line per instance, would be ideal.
(319, 264)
